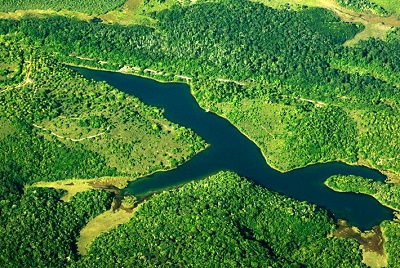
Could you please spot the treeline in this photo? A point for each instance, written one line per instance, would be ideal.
(385, 193)
(224, 220)
(84, 6)
(41, 231)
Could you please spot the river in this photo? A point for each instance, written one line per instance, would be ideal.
(231, 150)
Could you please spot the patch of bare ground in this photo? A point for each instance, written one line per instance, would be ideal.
(371, 243)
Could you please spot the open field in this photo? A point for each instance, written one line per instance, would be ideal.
(392, 6)
(74, 186)
(102, 223)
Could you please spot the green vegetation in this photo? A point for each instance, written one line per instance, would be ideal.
(39, 230)
(56, 125)
(224, 220)
(364, 6)
(391, 6)
(386, 194)
(320, 134)
(282, 76)
(86, 6)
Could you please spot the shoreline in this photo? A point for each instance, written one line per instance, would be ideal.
(159, 80)
(382, 203)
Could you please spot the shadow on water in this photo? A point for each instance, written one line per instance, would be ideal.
(231, 150)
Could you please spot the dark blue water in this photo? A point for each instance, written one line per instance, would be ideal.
(231, 150)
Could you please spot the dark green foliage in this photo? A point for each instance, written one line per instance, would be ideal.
(29, 157)
(85, 6)
(41, 231)
(224, 221)
(281, 55)
(231, 39)
(380, 138)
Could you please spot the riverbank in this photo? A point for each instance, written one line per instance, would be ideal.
(136, 72)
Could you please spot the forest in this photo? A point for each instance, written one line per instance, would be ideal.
(224, 221)
(282, 76)
(290, 58)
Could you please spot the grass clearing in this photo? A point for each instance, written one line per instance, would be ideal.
(392, 6)
(74, 186)
(136, 12)
(374, 260)
(37, 13)
(102, 223)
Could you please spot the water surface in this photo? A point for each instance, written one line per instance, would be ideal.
(231, 150)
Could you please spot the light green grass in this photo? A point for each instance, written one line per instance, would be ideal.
(392, 6)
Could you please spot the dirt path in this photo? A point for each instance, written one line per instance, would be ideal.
(71, 139)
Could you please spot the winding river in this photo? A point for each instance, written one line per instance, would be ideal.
(231, 150)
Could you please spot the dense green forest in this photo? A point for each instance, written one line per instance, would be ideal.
(85, 6)
(288, 58)
(281, 76)
(224, 221)
(39, 230)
